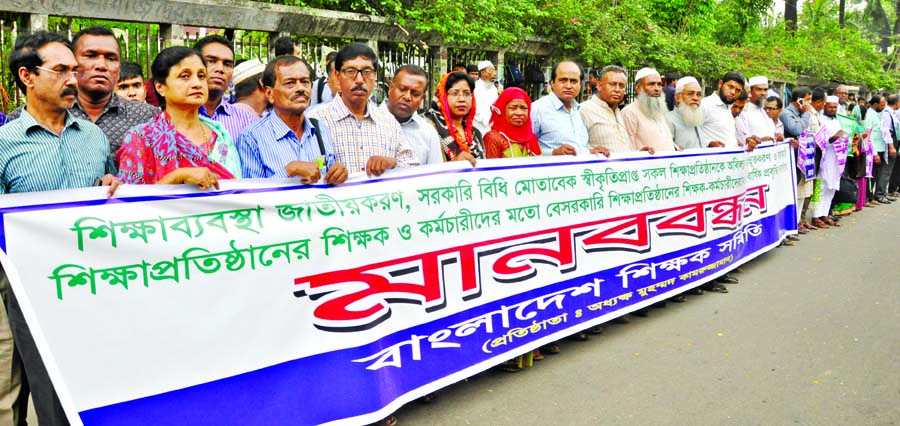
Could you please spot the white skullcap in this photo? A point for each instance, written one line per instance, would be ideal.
(643, 72)
(684, 81)
(484, 64)
(246, 70)
(759, 80)
(832, 100)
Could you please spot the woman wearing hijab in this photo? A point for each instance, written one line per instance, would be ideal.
(511, 134)
(453, 118)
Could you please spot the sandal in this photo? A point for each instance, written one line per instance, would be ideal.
(695, 291)
(427, 399)
(511, 367)
(786, 243)
(597, 329)
(678, 299)
(551, 349)
(536, 355)
(388, 421)
(717, 288)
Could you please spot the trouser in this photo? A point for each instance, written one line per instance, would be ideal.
(823, 208)
(13, 387)
(861, 198)
(894, 183)
(804, 192)
(881, 176)
(46, 403)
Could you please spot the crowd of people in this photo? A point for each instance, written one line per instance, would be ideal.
(92, 119)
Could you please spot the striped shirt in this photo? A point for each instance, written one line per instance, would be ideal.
(422, 137)
(268, 145)
(606, 126)
(32, 158)
(233, 118)
(554, 125)
(355, 141)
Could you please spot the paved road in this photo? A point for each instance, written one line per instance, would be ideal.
(811, 336)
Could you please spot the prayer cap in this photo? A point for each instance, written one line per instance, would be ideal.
(246, 70)
(684, 81)
(643, 72)
(832, 100)
(759, 81)
(484, 64)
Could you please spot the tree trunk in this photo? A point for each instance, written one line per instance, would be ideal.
(841, 9)
(790, 15)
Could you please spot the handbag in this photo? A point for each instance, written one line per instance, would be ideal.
(848, 191)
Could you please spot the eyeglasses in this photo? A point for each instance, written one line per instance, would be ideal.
(771, 108)
(459, 94)
(73, 72)
(352, 72)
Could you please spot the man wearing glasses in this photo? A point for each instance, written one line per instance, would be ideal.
(45, 149)
(365, 138)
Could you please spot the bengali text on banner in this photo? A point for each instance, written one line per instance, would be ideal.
(276, 303)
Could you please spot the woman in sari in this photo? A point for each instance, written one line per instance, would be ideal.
(511, 134)
(452, 118)
(178, 145)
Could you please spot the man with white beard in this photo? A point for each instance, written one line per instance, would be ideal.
(686, 120)
(645, 119)
(758, 123)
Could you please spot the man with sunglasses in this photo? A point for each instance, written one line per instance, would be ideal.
(366, 138)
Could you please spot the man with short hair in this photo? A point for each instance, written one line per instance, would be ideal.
(485, 96)
(472, 70)
(758, 124)
(555, 118)
(249, 93)
(286, 46)
(593, 83)
(405, 96)
(47, 148)
(98, 55)
(601, 115)
(131, 82)
(878, 118)
(218, 53)
(326, 86)
(718, 121)
(365, 138)
(686, 120)
(285, 143)
(669, 90)
(645, 118)
(795, 119)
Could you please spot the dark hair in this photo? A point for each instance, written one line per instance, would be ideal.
(893, 99)
(595, 72)
(743, 96)
(456, 77)
(611, 68)
(459, 65)
(553, 71)
(471, 68)
(95, 31)
(875, 100)
(284, 46)
(268, 76)
(352, 51)
(329, 63)
(735, 77)
(800, 93)
(211, 39)
(246, 87)
(25, 53)
(412, 70)
(818, 94)
(671, 77)
(163, 63)
(777, 101)
(129, 70)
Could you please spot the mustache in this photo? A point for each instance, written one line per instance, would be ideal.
(298, 95)
(69, 91)
(360, 87)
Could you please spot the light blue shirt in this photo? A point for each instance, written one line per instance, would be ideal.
(268, 145)
(32, 158)
(554, 126)
(873, 119)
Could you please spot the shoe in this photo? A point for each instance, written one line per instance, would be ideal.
(580, 337)
(895, 194)
(551, 349)
(597, 329)
(725, 279)
(718, 288)
(659, 305)
(621, 320)
(679, 299)
(786, 243)
(871, 203)
(802, 232)
(891, 199)
(643, 313)
(695, 291)
(882, 201)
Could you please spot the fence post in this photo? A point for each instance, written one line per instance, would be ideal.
(35, 22)
(373, 44)
(171, 34)
(501, 61)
